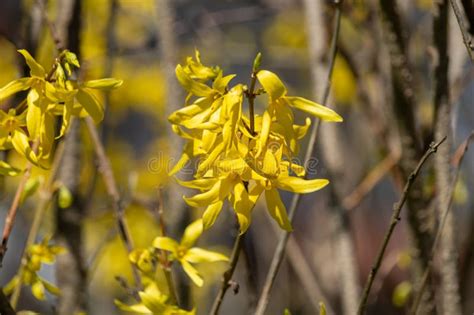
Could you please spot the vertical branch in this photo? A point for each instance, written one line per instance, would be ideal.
(168, 50)
(168, 56)
(280, 250)
(457, 161)
(466, 37)
(70, 270)
(397, 208)
(333, 154)
(448, 267)
(420, 218)
(111, 186)
(45, 195)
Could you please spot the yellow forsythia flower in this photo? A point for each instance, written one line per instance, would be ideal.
(186, 254)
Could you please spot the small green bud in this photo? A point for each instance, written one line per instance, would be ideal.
(257, 62)
(71, 58)
(64, 197)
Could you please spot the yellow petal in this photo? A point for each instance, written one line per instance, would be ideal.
(220, 83)
(33, 114)
(103, 84)
(38, 290)
(199, 255)
(242, 206)
(206, 163)
(166, 243)
(300, 131)
(15, 87)
(206, 198)
(265, 132)
(183, 160)
(91, 105)
(272, 84)
(313, 108)
(270, 164)
(192, 273)
(200, 183)
(21, 144)
(136, 308)
(300, 185)
(194, 87)
(192, 233)
(8, 170)
(211, 213)
(277, 209)
(36, 69)
(46, 134)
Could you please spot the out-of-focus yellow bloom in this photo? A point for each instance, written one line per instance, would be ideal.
(11, 132)
(186, 254)
(49, 95)
(153, 302)
(37, 254)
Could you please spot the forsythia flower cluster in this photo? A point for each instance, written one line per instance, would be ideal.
(29, 128)
(242, 157)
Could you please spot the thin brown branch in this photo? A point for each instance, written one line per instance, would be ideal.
(466, 37)
(111, 186)
(227, 276)
(397, 208)
(457, 161)
(12, 211)
(304, 271)
(368, 183)
(45, 196)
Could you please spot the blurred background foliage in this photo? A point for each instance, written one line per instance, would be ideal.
(136, 133)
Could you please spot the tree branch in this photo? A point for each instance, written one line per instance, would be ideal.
(458, 158)
(397, 208)
(111, 186)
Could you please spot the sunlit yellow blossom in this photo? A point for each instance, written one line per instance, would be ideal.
(229, 180)
(240, 158)
(277, 176)
(186, 254)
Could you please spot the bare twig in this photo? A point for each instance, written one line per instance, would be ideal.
(397, 208)
(419, 216)
(280, 250)
(112, 190)
(11, 215)
(165, 262)
(303, 270)
(466, 37)
(45, 195)
(458, 158)
(370, 180)
(227, 277)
